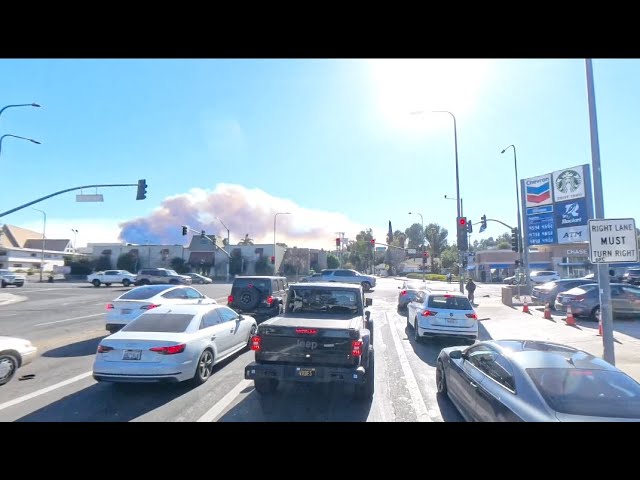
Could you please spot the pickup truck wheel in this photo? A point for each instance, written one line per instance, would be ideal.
(126, 282)
(96, 283)
(365, 391)
(265, 386)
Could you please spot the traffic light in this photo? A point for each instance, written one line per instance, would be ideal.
(337, 241)
(185, 229)
(202, 234)
(373, 243)
(515, 244)
(273, 260)
(483, 223)
(469, 227)
(517, 263)
(463, 242)
(142, 190)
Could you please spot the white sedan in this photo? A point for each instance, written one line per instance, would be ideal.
(173, 343)
(14, 353)
(130, 305)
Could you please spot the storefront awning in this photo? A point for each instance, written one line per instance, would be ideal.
(539, 265)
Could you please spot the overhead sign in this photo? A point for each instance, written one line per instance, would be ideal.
(90, 198)
(613, 240)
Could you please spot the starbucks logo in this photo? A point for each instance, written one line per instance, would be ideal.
(568, 181)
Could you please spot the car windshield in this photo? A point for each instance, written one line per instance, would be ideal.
(416, 286)
(301, 300)
(160, 322)
(172, 272)
(142, 293)
(597, 393)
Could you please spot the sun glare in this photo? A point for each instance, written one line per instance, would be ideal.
(403, 86)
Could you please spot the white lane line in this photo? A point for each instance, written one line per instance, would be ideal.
(43, 289)
(68, 319)
(42, 391)
(225, 401)
(412, 384)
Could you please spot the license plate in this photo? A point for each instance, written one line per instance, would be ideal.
(305, 372)
(132, 354)
(126, 311)
(452, 320)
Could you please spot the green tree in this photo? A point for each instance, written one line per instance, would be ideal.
(179, 265)
(414, 235)
(263, 267)
(437, 238)
(127, 262)
(399, 239)
(332, 261)
(103, 263)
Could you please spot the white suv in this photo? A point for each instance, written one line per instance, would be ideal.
(544, 276)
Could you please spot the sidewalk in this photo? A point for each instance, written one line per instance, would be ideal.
(498, 321)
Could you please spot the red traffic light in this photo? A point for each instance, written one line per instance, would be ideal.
(273, 260)
(425, 254)
(337, 241)
(373, 241)
(462, 221)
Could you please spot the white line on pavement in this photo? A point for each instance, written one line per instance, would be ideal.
(412, 384)
(43, 289)
(68, 319)
(37, 393)
(224, 402)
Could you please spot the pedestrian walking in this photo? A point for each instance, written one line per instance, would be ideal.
(471, 288)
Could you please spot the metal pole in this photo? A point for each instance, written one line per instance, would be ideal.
(18, 105)
(455, 141)
(44, 236)
(228, 247)
(603, 275)
(16, 136)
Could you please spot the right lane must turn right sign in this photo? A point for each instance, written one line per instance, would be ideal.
(613, 240)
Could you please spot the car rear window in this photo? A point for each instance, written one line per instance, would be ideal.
(449, 302)
(416, 286)
(160, 322)
(142, 293)
(259, 283)
(599, 393)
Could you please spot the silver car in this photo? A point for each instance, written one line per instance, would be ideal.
(345, 276)
(173, 343)
(14, 353)
(130, 305)
(585, 300)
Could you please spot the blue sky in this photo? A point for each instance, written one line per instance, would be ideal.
(331, 141)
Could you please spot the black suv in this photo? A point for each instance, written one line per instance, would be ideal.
(261, 297)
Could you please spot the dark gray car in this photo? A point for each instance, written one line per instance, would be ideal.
(547, 292)
(408, 292)
(535, 381)
(585, 300)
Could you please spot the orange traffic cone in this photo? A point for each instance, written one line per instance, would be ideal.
(570, 320)
(547, 311)
(525, 307)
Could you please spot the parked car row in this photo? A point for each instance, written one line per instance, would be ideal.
(146, 276)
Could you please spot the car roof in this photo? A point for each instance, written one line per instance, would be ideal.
(543, 354)
(432, 293)
(240, 277)
(192, 309)
(155, 288)
(350, 286)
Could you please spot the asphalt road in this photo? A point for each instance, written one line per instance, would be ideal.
(67, 323)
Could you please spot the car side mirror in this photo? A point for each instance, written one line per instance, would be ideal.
(456, 354)
(240, 317)
(368, 302)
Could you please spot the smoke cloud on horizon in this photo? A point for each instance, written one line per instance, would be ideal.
(244, 211)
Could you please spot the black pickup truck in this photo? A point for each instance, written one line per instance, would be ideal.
(324, 335)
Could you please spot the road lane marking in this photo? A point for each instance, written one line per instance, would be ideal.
(44, 289)
(68, 319)
(412, 384)
(225, 401)
(42, 391)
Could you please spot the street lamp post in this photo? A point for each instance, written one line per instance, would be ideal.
(424, 273)
(75, 236)
(455, 143)
(274, 238)
(19, 105)
(16, 136)
(44, 236)
(522, 250)
(228, 247)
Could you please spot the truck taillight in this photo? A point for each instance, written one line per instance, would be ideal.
(306, 331)
(230, 299)
(356, 348)
(255, 343)
(269, 300)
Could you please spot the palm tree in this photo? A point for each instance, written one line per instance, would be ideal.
(246, 240)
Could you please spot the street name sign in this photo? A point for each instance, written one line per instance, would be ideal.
(613, 240)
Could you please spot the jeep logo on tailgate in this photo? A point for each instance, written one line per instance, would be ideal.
(307, 344)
